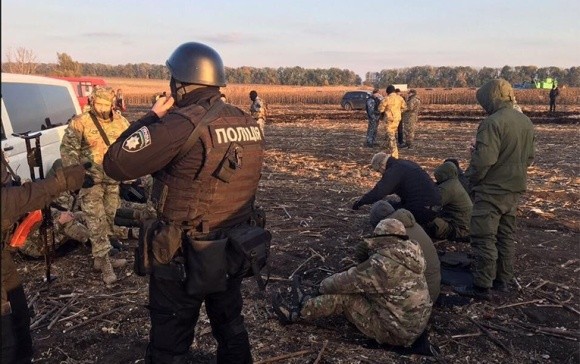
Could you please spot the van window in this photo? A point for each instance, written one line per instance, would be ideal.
(31, 114)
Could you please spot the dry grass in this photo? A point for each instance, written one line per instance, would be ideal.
(142, 91)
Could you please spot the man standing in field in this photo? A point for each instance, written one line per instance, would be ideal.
(258, 110)
(409, 121)
(504, 149)
(87, 138)
(554, 92)
(373, 114)
(391, 108)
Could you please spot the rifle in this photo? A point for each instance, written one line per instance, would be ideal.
(34, 159)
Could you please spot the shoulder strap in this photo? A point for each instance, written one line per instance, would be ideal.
(209, 116)
(100, 128)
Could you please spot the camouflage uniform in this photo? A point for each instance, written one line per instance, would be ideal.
(391, 106)
(258, 112)
(410, 116)
(75, 229)
(373, 116)
(497, 174)
(82, 142)
(386, 296)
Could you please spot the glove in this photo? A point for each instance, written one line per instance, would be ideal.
(361, 252)
(356, 205)
(70, 178)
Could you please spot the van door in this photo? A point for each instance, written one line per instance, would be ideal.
(29, 107)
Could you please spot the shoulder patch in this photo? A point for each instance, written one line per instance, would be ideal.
(138, 140)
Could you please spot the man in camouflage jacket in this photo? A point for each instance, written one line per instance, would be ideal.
(409, 118)
(258, 110)
(386, 295)
(82, 141)
(391, 108)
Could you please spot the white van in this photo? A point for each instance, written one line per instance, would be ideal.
(30, 105)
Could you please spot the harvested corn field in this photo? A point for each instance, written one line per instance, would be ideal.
(316, 166)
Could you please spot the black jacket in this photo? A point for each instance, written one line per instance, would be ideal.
(410, 182)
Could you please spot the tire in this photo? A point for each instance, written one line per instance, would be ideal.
(348, 106)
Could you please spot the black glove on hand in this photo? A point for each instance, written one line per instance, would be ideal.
(88, 181)
(356, 205)
(361, 252)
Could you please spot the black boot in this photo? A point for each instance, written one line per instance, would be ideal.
(476, 292)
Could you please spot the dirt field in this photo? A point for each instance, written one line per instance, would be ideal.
(315, 167)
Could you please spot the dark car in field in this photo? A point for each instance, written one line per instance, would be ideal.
(355, 100)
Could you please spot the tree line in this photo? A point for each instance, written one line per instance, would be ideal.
(24, 61)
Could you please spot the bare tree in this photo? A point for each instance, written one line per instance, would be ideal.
(21, 61)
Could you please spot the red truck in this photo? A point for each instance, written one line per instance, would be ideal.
(83, 87)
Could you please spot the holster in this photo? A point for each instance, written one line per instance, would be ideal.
(158, 244)
(205, 262)
(248, 252)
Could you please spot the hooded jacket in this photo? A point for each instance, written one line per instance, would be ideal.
(504, 146)
(456, 206)
(416, 233)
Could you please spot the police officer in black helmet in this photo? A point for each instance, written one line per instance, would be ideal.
(205, 183)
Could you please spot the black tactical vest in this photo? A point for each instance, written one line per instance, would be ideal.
(221, 193)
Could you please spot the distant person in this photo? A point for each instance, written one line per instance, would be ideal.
(120, 101)
(390, 109)
(400, 136)
(258, 110)
(415, 188)
(410, 117)
(554, 93)
(504, 149)
(223, 97)
(373, 115)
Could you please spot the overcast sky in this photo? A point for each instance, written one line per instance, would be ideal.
(357, 35)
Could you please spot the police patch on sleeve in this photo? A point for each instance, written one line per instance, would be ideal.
(138, 140)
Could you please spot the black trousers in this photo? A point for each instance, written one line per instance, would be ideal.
(16, 339)
(174, 315)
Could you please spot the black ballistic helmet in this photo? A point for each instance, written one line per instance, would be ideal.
(197, 63)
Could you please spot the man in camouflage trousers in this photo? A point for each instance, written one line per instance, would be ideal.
(258, 110)
(87, 138)
(391, 108)
(68, 225)
(386, 295)
(410, 117)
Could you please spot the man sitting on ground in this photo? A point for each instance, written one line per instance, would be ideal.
(382, 210)
(385, 296)
(453, 220)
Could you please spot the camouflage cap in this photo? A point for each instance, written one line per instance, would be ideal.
(412, 91)
(390, 226)
(379, 161)
(105, 93)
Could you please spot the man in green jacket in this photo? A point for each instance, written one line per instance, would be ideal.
(504, 149)
(456, 206)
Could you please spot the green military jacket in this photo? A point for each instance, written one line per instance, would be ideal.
(504, 146)
(456, 206)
